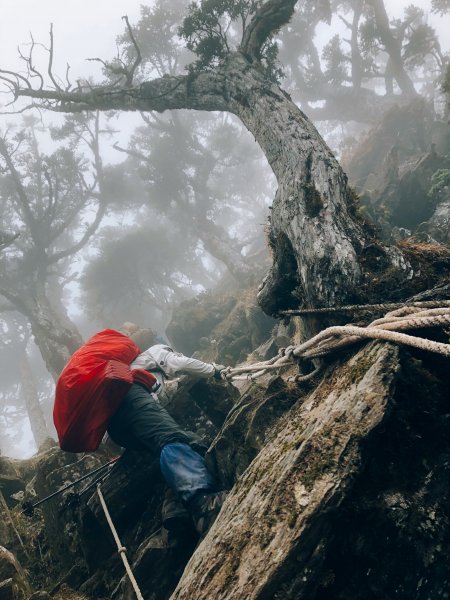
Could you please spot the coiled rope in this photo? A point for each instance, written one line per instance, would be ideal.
(120, 549)
(413, 316)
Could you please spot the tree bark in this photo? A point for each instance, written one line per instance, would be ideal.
(30, 394)
(55, 338)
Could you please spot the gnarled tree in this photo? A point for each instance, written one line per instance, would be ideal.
(322, 253)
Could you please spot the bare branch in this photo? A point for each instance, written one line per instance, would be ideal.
(344, 20)
(69, 85)
(91, 229)
(50, 60)
(17, 75)
(21, 110)
(132, 153)
(14, 89)
(103, 62)
(31, 66)
(138, 59)
(267, 20)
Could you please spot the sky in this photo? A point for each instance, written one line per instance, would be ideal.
(86, 29)
(82, 29)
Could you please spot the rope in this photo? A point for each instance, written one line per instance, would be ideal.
(120, 549)
(389, 328)
(365, 307)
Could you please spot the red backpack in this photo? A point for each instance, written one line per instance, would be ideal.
(91, 387)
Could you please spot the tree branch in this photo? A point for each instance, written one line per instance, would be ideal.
(200, 91)
(21, 193)
(50, 60)
(138, 59)
(267, 20)
(84, 239)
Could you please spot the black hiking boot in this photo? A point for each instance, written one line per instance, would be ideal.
(205, 509)
(175, 517)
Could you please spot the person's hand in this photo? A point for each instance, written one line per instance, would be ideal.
(218, 371)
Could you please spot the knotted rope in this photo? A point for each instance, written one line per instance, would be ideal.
(120, 549)
(388, 328)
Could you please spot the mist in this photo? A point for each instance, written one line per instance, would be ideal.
(110, 217)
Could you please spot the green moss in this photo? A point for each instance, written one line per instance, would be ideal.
(298, 441)
(292, 520)
(357, 371)
(265, 538)
(316, 468)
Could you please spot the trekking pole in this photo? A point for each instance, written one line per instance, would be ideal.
(28, 508)
(93, 484)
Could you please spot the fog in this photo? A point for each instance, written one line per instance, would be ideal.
(117, 216)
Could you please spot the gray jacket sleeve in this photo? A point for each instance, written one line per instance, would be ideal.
(171, 363)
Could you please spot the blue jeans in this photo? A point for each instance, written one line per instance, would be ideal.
(185, 471)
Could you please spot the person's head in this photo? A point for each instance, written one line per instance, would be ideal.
(144, 338)
(128, 328)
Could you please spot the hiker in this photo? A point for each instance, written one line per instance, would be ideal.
(141, 423)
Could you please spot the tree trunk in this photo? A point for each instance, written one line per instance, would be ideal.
(393, 48)
(55, 335)
(55, 341)
(318, 243)
(30, 394)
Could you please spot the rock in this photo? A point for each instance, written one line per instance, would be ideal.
(266, 350)
(234, 321)
(324, 481)
(13, 583)
(40, 596)
(9, 565)
(157, 566)
(247, 427)
(55, 469)
(7, 590)
(439, 224)
(9, 486)
(10, 480)
(276, 523)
